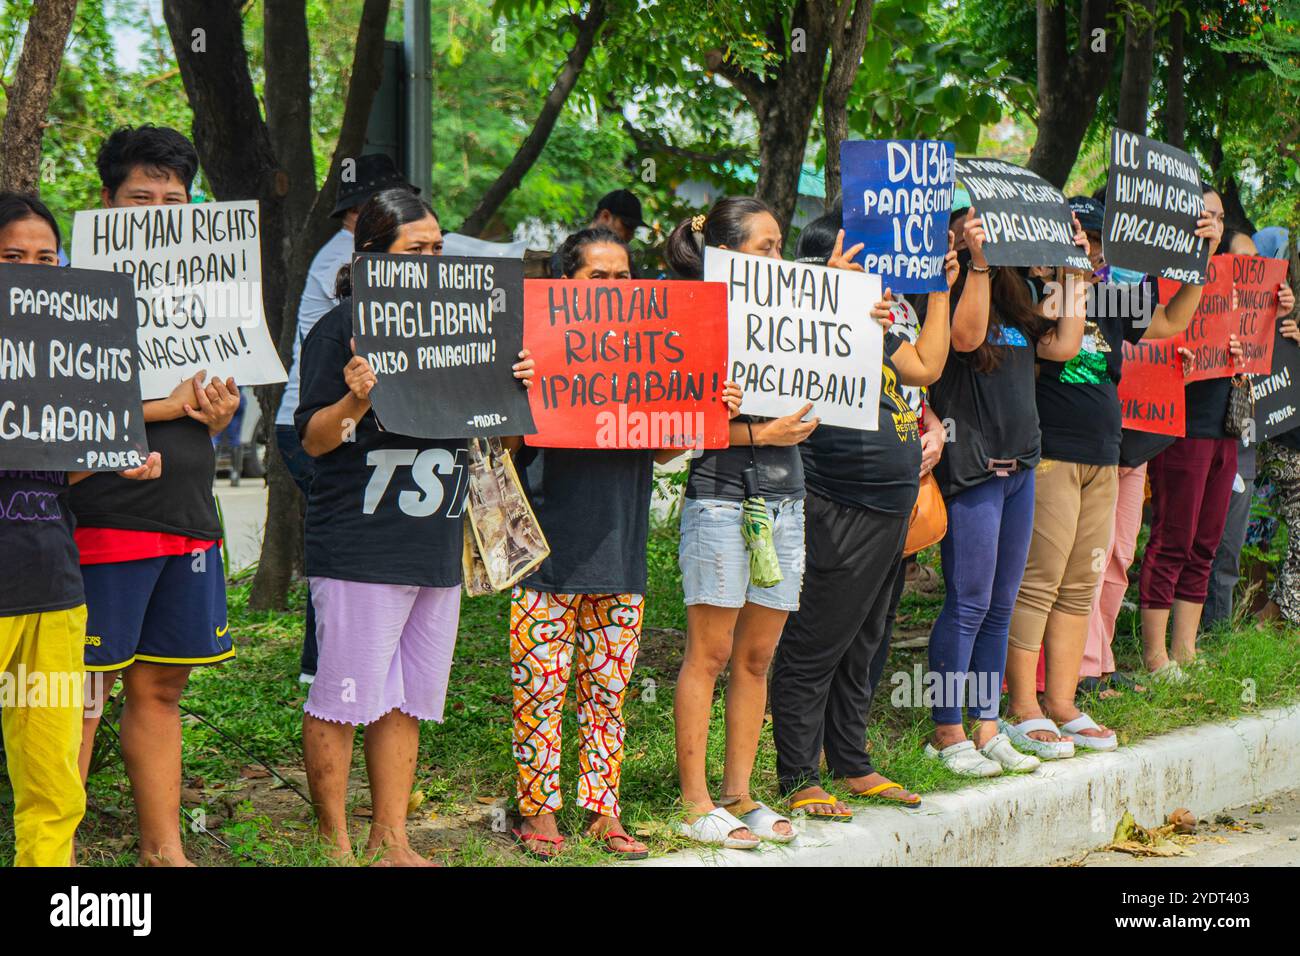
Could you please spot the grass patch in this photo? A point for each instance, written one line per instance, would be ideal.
(465, 772)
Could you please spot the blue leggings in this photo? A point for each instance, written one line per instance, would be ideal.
(984, 552)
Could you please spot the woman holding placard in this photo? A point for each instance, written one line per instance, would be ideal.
(384, 536)
(987, 475)
(1075, 496)
(1191, 488)
(582, 608)
(861, 489)
(730, 620)
(42, 607)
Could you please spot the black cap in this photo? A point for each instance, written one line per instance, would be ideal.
(1091, 213)
(624, 204)
(375, 172)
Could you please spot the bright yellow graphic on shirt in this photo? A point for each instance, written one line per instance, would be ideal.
(904, 418)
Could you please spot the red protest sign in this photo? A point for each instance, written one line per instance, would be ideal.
(627, 364)
(1151, 388)
(1240, 299)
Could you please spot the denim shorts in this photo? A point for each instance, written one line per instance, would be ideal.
(715, 561)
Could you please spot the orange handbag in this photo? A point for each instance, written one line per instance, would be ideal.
(929, 522)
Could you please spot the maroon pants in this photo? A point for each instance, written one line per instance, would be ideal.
(1191, 485)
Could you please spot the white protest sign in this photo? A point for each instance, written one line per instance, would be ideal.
(197, 271)
(801, 333)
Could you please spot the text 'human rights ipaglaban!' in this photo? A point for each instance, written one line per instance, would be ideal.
(442, 335)
(197, 274)
(801, 333)
(71, 396)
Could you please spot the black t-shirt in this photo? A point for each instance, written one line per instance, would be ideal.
(993, 414)
(383, 508)
(594, 508)
(717, 472)
(41, 572)
(876, 470)
(1207, 407)
(179, 502)
(1138, 448)
(1078, 400)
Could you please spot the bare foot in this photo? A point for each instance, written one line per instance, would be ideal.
(1046, 736)
(384, 855)
(164, 856)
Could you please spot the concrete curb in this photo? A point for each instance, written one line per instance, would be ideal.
(1061, 810)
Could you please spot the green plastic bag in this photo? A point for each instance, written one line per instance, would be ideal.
(756, 526)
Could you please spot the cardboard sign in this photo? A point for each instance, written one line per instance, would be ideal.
(1151, 388)
(442, 334)
(897, 200)
(1239, 298)
(801, 333)
(1027, 221)
(1277, 395)
(627, 364)
(70, 396)
(197, 271)
(1153, 199)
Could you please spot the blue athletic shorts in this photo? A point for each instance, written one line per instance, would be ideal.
(168, 610)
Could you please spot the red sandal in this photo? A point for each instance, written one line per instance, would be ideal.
(526, 841)
(632, 849)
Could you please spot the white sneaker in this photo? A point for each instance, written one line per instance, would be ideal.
(964, 760)
(1010, 759)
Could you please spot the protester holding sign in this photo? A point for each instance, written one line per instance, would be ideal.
(861, 489)
(42, 608)
(986, 400)
(384, 536)
(1191, 487)
(1075, 493)
(729, 618)
(150, 555)
(583, 607)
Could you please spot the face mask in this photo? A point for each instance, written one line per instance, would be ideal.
(1117, 276)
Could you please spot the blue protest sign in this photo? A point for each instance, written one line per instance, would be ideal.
(897, 197)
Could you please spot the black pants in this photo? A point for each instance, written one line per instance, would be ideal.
(822, 677)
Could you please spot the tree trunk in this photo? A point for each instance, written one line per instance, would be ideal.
(531, 148)
(848, 39)
(785, 100)
(274, 165)
(1069, 84)
(1175, 114)
(281, 552)
(1138, 67)
(28, 98)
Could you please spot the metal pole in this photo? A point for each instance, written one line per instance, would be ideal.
(418, 59)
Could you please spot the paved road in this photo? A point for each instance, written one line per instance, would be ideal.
(1271, 837)
(244, 511)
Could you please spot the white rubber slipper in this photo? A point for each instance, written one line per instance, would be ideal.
(964, 760)
(1011, 760)
(715, 829)
(1082, 741)
(1042, 749)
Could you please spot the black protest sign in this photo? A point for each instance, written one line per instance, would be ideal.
(1027, 221)
(1153, 200)
(71, 398)
(442, 334)
(1277, 395)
